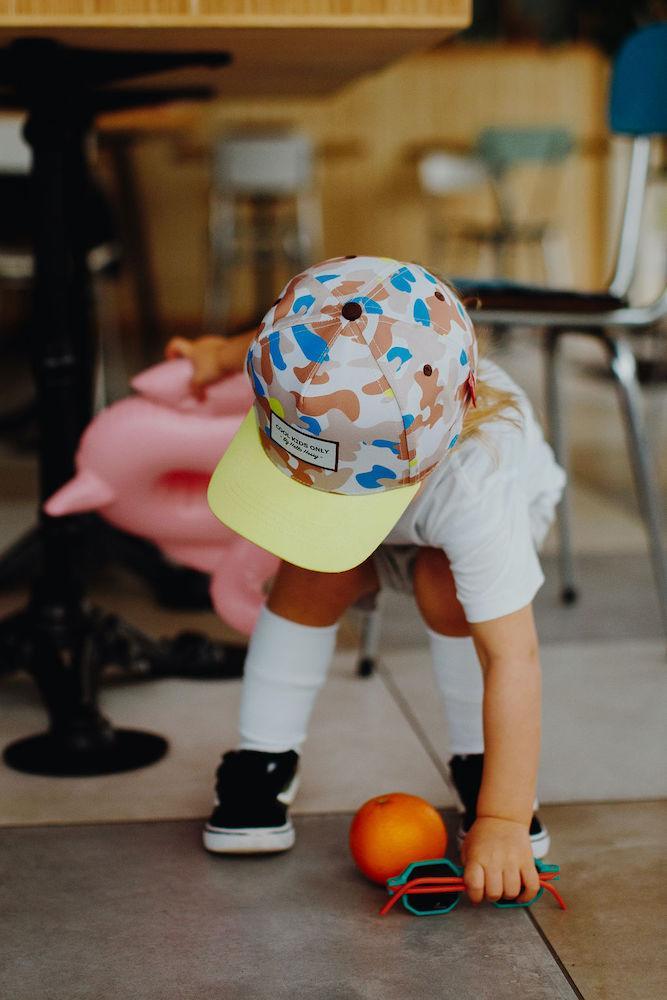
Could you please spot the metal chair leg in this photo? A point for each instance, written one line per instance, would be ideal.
(569, 592)
(624, 369)
(370, 642)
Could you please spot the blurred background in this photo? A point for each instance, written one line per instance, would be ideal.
(487, 158)
(190, 216)
(490, 156)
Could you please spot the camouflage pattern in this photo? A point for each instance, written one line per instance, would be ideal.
(369, 361)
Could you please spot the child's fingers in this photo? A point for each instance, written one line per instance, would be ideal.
(473, 878)
(493, 884)
(531, 883)
(511, 883)
(179, 347)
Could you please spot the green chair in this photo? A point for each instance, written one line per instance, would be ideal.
(496, 157)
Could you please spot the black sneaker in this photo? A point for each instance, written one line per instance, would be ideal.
(253, 791)
(466, 774)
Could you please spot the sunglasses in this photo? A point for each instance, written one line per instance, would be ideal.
(428, 888)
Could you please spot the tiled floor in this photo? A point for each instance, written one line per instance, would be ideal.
(135, 908)
(140, 911)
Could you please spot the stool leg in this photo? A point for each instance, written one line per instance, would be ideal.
(263, 253)
(222, 260)
(556, 258)
(557, 437)
(624, 369)
(309, 228)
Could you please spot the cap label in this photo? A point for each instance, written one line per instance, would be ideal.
(306, 447)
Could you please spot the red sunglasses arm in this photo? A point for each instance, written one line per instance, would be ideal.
(423, 886)
(554, 892)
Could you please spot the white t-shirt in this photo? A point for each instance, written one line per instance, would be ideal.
(488, 506)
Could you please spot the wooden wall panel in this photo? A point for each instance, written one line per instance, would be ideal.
(368, 134)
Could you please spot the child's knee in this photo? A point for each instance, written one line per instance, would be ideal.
(435, 593)
(320, 598)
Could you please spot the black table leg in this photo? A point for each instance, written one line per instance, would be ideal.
(59, 632)
(62, 641)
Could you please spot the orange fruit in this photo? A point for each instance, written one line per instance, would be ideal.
(390, 831)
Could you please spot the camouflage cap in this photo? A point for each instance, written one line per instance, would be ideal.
(362, 370)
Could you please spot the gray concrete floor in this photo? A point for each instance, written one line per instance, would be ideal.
(140, 911)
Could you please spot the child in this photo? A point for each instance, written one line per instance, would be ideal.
(377, 454)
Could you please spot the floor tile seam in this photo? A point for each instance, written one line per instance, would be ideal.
(85, 824)
(422, 736)
(576, 803)
(554, 954)
(598, 640)
(647, 641)
(321, 814)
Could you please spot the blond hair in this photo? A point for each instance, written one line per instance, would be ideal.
(492, 404)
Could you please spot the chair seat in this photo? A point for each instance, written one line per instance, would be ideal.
(534, 298)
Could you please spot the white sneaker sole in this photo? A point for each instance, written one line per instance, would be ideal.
(252, 840)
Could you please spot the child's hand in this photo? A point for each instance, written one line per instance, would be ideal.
(498, 861)
(211, 357)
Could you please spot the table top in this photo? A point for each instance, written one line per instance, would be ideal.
(305, 47)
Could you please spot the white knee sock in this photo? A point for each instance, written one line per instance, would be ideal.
(459, 678)
(285, 668)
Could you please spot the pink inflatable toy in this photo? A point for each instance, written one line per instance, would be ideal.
(144, 464)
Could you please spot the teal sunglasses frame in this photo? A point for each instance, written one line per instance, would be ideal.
(411, 882)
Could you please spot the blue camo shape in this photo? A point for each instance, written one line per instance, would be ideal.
(399, 352)
(303, 303)
(403, 279)
(314, 347)
(463, 358)
(257, 385)
(392, 445)
(371, 480)
(311, 423)
(326, 277)
(408, 418)
(370, 305)
(421, 313)
(275, 352)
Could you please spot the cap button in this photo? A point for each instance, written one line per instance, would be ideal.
(351, 310)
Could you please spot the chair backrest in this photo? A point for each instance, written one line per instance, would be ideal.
(269, 164)
(638, 97)
(637, 108)
(503, 148)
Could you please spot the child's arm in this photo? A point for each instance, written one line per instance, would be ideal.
(497, 853)
(211, 356)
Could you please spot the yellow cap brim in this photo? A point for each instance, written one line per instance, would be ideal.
(327, 532)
